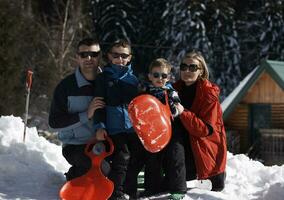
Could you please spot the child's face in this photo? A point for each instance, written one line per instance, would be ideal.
(119, 55)
(159, 76)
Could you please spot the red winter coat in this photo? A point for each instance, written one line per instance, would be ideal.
(210, 151)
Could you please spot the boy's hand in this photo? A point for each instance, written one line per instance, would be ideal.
(95, 104)
(100, 134)
(179, 107)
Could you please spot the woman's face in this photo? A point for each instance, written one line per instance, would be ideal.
(119, 56)
(190, 70)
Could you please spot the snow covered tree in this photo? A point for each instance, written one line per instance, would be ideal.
(226, 54)
(271, 39)
(148, 30)
(114, 19)
(260, 28)
(207, 26)
(183, 30)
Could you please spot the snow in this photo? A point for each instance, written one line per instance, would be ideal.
(34, 170)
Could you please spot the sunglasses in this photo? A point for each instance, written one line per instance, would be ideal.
(117, 55)
(190, 67)
(158, 75)
(92, 54)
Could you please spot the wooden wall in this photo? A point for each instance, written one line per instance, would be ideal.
(238, 120)
(265, 90)
(237, 129)
(277, 115)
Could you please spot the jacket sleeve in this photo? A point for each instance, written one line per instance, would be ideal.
(59, 117)
(205, 123)
(100, 114)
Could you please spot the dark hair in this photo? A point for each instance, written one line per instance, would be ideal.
(120, 43)
(88, 42)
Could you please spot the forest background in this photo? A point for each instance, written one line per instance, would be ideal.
(233, 35)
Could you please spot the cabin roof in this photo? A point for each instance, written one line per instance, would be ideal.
(274, 68)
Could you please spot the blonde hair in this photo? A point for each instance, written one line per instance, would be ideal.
(198, 56)
(160, 62)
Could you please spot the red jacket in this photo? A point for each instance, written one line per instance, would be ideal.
(209, 150)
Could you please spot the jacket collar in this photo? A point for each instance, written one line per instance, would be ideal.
(81, 81)
(117, 71)
(203, 86)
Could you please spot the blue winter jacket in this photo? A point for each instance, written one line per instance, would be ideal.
(118, 86)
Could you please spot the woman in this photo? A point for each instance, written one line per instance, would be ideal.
(198, 145)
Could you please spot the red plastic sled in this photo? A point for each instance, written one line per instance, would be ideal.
(93, 185)
(151, 120)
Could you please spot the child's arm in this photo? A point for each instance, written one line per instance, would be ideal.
(100, 113)
(174, 100)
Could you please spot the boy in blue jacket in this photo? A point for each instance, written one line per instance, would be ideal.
(118, 86)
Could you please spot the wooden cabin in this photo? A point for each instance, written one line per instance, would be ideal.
(254, 114)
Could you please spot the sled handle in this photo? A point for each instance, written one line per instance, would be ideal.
(89, 152)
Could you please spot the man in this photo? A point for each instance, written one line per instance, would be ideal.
(73, 107)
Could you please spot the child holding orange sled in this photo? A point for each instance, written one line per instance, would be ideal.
(159, 76)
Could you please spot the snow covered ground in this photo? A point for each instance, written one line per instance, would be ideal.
(34, 170)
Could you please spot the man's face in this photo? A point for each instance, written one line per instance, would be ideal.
(88, 58)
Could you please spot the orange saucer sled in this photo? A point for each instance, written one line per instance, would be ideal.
(151, 120)
(93, 185)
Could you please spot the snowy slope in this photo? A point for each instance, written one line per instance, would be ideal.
(34, 170)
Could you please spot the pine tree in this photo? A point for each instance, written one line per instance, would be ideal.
(260, 29)
(225, 45)
(114, 19)
(148, 30)
(272, 34)
(249, 29)
(183, 30)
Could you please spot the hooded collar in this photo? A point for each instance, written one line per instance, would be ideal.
(118, 71)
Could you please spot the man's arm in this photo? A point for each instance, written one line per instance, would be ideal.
(59, 117)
